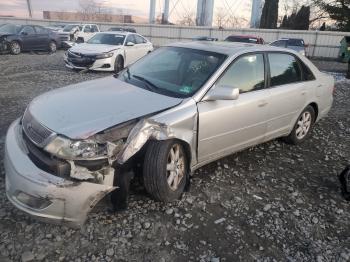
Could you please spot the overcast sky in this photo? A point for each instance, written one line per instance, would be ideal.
(134, 7)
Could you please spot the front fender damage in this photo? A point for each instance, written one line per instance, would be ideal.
(126, 140)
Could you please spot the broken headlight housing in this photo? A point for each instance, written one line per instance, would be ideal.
(76, 150)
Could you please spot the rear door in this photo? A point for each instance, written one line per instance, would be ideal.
(226, 126)
(42, 37)
(288, 93)
(28, 36)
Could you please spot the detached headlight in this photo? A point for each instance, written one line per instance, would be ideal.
(104, 55)
(73, 150)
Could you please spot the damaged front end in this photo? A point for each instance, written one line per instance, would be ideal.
(68, 177)
(4, 44)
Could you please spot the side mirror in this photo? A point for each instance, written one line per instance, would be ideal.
(222, 92)
(130, 44)
(24, 33)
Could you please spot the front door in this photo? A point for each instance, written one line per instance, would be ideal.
(228, 126)
(29, 40)
(131, 50)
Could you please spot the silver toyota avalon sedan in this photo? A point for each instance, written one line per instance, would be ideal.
(173, 111)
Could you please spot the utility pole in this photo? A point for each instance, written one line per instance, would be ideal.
(152, 12)
(256, 13)
(29, 8)
(165, 15)
(205, 10)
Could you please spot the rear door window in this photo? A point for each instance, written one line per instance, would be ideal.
(284, 69)
(296, 42)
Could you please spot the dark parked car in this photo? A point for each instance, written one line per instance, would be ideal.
(123, 29)
(204, 38)
(18, 38)
(245, 39)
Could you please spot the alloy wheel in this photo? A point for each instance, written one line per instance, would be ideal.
(175, 167)
(303, 125)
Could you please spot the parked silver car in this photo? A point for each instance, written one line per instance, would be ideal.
(175, 110)
(296, 44)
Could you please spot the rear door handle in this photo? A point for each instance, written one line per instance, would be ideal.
(303, 93)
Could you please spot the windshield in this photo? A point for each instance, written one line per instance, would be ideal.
(10, 29)
(173, 71)
(241, 39)
(107, 39)
(68, 28)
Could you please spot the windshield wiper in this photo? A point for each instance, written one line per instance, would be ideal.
(149, 84)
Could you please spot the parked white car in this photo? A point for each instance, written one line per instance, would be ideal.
(108, 51)
(87, 31)
(72, 32)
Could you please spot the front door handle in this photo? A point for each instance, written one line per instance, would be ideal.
(263, 103)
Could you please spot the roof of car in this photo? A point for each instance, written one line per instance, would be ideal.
(117, 32)
(227, 48)
(245, 36)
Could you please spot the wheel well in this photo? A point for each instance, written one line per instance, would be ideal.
(315, 107)
(121, 58)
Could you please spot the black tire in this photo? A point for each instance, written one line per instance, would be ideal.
(296, 137)
(52, 47)
(155, 173)
(118, 64)
(15, 48)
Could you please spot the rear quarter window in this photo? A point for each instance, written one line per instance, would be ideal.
(296, 42)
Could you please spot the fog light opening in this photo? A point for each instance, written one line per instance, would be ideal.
(32, 201)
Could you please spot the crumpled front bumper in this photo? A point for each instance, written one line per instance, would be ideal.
(42, 195)
(98, 65)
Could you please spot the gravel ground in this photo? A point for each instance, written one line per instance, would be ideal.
(274, 202)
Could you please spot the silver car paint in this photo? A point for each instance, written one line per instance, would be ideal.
(93, 106)
(238, 126)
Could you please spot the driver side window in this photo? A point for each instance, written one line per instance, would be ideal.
(131, 39)
(29, 30)
(246, 73)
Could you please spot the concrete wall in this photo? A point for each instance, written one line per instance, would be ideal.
(321, 44)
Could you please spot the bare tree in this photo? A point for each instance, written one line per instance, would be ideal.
(188, 19)
(88, 9)
(220, 18)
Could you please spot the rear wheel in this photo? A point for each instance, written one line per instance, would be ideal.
(118, 64)
(15, 48)
(52, 47)
(165, 170)
(302, 127)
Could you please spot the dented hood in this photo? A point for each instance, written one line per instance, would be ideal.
(93, 48)
(81, 110)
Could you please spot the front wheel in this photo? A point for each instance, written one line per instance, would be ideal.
(165, 170)
(118, 64)
(15, 48)
(302, 127)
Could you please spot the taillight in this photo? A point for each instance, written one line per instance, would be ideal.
(333, 91)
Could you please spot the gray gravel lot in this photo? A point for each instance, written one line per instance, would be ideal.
(274, 202)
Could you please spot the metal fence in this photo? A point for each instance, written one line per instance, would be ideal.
(321, 44)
